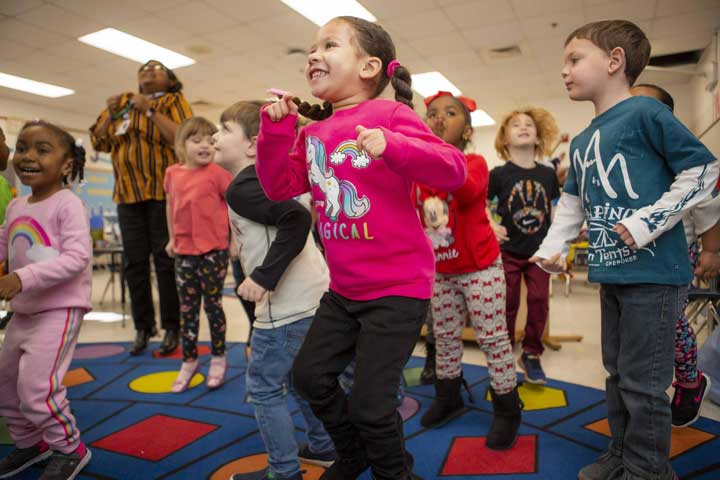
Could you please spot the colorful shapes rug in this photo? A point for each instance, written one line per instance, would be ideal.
(138, 430)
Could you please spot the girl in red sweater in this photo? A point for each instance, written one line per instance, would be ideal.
(469, 279)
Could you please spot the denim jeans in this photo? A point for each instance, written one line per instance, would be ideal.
(638, 324)
(268, 383)
(379, 335)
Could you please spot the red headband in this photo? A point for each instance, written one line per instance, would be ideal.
(468, 102)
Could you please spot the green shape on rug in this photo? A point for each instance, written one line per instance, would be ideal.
(412, 376)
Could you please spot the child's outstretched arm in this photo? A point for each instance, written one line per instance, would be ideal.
(74, 255)
(280, 164)
(293, 222)
(569, 218)
(414, 152)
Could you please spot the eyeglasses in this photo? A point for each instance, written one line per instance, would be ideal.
(153, 67)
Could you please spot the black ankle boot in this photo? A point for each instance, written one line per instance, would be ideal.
(170, 343)
(142, 337)
(346, 468)
(506, 421)
(427, 377)
(447, 404)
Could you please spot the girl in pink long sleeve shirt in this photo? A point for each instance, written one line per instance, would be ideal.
(46, 240)
(359, 162)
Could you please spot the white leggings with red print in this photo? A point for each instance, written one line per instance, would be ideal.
(480, 294)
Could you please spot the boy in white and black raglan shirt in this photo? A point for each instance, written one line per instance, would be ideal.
(286, 276)
(634, 172)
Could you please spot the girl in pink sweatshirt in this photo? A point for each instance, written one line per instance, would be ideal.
(359, 161)
(46, 240)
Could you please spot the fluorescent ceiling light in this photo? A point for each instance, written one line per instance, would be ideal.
(430, 83)
(31, 86)
(480, 118)
(321, 11)
(134, 48)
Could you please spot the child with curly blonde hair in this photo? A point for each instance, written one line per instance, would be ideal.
(525, 190)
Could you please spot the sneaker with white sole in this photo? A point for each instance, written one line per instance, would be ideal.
(321, 459)
(21, 458)
(66, 466)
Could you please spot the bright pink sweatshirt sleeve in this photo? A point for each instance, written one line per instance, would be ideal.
(75, 250)
(280, 164)
(414, 152)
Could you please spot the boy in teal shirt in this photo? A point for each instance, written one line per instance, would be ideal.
(635, 170)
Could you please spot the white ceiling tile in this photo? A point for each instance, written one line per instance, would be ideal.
(154, 29)
(196, 18)
(60, 20)
(633, 10)
(675, 7)
(384, 9)
(107, 12)
(679, 43)
(15, 7)
(535, 8)
(289, 30)
(12, 50)
(13, 29)
(552, 25)
(239, 38)
(414, 25)
(477, 13)
(451, 61)
(250, 10)
(688, 24)
(163, 6)
(494, 36)
(440, 44)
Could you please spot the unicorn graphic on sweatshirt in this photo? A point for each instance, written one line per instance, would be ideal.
(340, 195)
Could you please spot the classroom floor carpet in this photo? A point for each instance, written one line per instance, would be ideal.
(136, 429)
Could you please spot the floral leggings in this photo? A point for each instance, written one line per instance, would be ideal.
(482, 295)
(686, 370)
(201, 276)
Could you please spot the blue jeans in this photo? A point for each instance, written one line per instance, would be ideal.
(268, 383)
(637, 348)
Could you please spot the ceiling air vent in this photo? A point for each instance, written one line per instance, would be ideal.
(690, 57)
(502, 53)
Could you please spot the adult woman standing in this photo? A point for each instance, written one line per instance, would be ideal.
(138, 129)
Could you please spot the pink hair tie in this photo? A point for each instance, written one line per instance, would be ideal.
(391, 68)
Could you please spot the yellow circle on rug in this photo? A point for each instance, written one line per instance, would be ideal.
(161, 382)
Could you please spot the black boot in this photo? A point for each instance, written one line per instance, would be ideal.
(170, 343)
(448, 403)
(506, 421)
(346, 468)
(141, 341)
(427, 377)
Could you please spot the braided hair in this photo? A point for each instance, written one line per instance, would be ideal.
(376, 42)
(73, 149)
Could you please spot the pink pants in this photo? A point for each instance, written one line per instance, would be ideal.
(481, 295)
(34, 358)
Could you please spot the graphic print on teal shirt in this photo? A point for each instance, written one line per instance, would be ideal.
(624, 161)
(341, 196)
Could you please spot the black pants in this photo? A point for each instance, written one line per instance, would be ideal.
(380, 334)
(143, 227)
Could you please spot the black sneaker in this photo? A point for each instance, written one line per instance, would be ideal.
(686, 402)
(66, 466)
(321, 459)
(346, 468)
(21, 458)
(533, 369)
